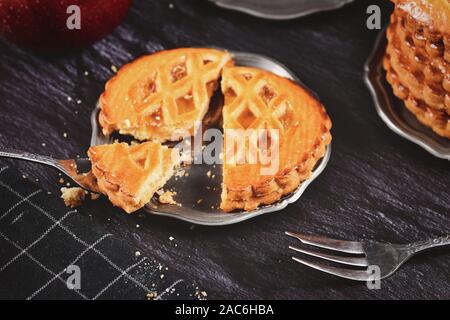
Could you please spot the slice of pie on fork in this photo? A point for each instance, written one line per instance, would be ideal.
(130, 175)
(297, 130)
(160, 97)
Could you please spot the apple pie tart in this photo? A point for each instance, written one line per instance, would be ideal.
(162, 96)
(130, 175)
(275, 106)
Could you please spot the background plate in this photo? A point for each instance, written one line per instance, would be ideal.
(195, 185)
(281, 9)
(391, 109)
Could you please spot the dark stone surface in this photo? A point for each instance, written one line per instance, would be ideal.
(377, 186)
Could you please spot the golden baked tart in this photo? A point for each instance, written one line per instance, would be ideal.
(417, 60)
(262, 103)
(130, 175)
(161, 96)
(164, 96)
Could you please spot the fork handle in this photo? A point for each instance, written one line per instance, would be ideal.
(27, 156)
(428, 244)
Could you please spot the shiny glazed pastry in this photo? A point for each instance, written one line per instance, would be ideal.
(167, 92)
(130, 175)
(159, 97)
(417, 60)
(291, 118)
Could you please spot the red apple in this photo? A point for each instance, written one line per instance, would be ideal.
(42, 24)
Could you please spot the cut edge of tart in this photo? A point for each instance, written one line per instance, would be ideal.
(258, 99)
(130, 175)
(161, 96)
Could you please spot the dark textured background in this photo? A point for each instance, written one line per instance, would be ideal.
(377, 186)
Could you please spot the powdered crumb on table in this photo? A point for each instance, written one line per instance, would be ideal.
(151, 295)
(73, 197)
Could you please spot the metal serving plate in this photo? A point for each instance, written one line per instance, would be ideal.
(281, 9)
(391, 109)
(198, 186)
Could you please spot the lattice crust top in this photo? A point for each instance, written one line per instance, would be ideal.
(130, 175)
(257, 99)
(161, 95)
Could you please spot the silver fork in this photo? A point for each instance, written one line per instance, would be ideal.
(76, 169)
(388, 257)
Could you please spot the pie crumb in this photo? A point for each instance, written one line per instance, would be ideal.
(73, 197)
(180, 173)
(95, 196)
(151, 295)
(166, 197)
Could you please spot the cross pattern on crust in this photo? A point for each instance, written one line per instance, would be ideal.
(256, 105)
(119, 156)
(181, 86)
(140, 156)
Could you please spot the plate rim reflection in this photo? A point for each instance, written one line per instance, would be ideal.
(272, 16)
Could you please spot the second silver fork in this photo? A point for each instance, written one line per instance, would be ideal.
(387, 257)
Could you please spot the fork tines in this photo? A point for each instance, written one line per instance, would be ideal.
(353, 255)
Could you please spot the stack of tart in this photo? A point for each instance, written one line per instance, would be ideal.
(417, 60)
(162, 97)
